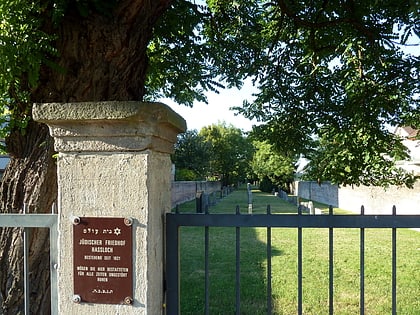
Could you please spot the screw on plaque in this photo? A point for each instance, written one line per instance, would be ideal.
(128, 221)
(128, 300)
(75, 220)
(76, 298)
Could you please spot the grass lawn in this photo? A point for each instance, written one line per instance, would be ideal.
(284, 266)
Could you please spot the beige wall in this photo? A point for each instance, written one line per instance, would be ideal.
(183, 191)
(376, 200)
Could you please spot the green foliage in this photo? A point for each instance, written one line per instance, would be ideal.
(333, 70)
(231, 152)
(266, 185)
(281, 133)
(191, 156)
(357, 156)
(272, 167)
(322, 69)
(181, 63)
(216, 152)
(23, 47)
(186, 174)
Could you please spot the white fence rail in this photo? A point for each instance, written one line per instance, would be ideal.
(29, 221)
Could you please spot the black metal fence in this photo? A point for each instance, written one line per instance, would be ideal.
(299, 221)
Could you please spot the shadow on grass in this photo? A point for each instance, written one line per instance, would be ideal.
(284, 269)
(222, 271)
(222, 264)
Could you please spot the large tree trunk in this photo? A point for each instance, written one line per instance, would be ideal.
(103, 58)
(30, 182)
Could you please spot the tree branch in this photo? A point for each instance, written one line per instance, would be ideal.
(349, 19)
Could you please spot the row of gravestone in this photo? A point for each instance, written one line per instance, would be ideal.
(205, 200)
(306, 206)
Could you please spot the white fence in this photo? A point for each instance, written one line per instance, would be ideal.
(28, 221)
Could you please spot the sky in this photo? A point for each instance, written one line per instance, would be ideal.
(217, 110)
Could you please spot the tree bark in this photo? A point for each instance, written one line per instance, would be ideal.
(29, 181)
(102, 58)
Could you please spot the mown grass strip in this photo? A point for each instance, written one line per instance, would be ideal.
(378, 266)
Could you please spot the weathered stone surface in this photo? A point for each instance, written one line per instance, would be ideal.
(134, 185)
(114, 161)
(111, 126)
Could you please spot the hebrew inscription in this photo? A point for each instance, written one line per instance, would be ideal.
(103, 260)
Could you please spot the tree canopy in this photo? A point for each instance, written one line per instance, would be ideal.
(322, 69)
(337, 74)
(277, 168)
(333, 79)
(223, 152)
(191, 157)
(230, 152)
(58, 51)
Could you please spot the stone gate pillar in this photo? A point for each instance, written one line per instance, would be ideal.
(114, 179)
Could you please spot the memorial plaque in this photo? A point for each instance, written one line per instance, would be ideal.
(103, 260)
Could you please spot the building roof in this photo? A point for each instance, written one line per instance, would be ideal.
(407, 132)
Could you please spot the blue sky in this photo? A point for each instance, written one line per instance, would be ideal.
(217, 109)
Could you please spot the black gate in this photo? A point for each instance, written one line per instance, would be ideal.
(299, 221)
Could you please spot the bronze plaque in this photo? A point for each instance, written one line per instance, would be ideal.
(103, 260)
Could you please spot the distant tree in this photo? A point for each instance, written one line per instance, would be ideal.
(330, 72)
(266, 185)
(350, 156)
(272, 167)
(191, 156)
(231, 152)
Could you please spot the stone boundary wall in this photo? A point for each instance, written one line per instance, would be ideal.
(183, 191)
(376, 200)
(311, 190)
